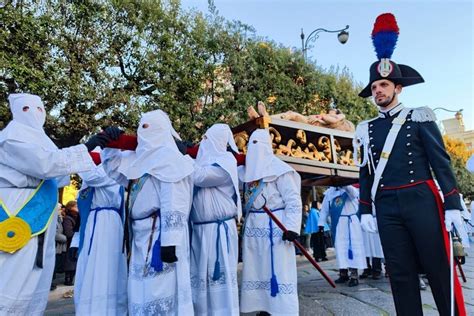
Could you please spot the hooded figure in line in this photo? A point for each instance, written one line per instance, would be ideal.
(32, 169)
(269, 280)
(216, 209)
(159, 205)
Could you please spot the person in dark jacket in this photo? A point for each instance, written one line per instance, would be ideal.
(61, 240)
(61, 245)
(401, 149)
(70, 225)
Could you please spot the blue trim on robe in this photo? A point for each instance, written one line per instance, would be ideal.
(84, 203)
(335, 210)
(39, 209)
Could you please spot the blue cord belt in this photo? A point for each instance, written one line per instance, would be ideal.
(217, 266)
(273, 280)
(97, 210)
(350, 254)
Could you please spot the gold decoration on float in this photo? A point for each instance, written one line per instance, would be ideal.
(302, 144)
(241, 139)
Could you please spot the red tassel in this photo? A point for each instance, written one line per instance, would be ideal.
(385, 23)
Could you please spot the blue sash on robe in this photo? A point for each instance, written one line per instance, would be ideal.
(251, 194)
(156, 262)
(335, 210)
(38, 209)
(84, 203)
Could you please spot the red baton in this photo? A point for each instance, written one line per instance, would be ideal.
(298, 245)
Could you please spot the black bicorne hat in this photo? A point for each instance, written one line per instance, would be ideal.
(397, 73)
(384, 38)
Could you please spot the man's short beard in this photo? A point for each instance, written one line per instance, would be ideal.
(388, 102)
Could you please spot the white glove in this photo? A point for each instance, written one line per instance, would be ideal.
(453, 217)
(368, 223)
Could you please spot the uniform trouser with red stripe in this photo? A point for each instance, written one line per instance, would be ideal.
(411, 226)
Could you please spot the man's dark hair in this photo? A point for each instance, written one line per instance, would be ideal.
(314, 204)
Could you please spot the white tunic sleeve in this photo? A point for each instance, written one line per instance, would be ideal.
(210, 176)
(33, 160)
(352, 192)
(96, 177)
(112, 160)
(175, 205)
(289, 188)
(323, 215)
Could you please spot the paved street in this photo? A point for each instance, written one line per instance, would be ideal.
(371, 297)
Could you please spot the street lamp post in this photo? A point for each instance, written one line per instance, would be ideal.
(342, 36)
(458, 117)
(458, 114)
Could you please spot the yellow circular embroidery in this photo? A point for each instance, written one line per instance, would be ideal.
(14, 234)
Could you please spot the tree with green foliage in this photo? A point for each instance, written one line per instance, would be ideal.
(100, 63)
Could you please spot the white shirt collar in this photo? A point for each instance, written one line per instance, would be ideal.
(391, 112)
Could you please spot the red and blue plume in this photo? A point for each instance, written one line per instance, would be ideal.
(385, 35)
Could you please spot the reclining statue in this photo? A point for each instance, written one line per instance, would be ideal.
(334, 119)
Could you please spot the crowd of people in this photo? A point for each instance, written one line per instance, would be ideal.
(154, 231)
(67, 224)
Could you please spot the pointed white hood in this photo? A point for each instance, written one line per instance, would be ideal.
(29, 116)
(260, 162)
(214, 145)
(213, 150)
(157, 153)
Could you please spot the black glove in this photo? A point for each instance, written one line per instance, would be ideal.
(97, 140)
(168, 254)
(113, 132)
(321, 229)
(289, 235)
(183, 145)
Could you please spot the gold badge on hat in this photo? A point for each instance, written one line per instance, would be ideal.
(385, 67)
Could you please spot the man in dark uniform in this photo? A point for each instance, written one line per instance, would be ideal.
(400, 149)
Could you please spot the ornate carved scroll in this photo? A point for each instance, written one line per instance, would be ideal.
(302, 144)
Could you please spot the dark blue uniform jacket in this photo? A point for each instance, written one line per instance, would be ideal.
(417, 154)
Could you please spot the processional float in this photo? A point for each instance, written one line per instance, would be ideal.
(322, 156)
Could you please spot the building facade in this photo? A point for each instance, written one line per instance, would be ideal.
(454, 128)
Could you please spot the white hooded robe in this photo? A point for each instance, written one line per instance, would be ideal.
(101, 274)
(27, 156)
(281, 189)
(216, 207)
(348, 229)
(165, 185)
